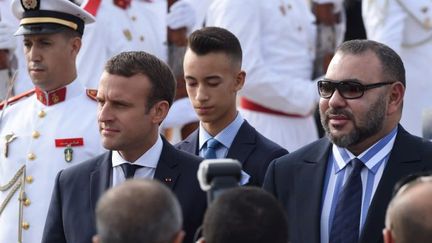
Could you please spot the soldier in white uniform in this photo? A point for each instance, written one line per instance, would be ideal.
(7, 59)
(278, 39)
(129, 25)
(101, 41)
(406, 26)
(50, 127)
(22, 82)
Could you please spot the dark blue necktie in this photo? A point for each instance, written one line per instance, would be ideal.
(212, 145)
(346, 221)
(129, 169)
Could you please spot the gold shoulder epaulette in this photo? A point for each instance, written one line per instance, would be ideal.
(17, 98)
(91, 93)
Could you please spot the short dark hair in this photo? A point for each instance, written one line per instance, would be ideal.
(138, 211)
(70, 33)
(215, 39)
(128, 64)
(392, 66)
(245, 214)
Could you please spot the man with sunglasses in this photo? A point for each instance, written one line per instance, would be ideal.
(337, 188)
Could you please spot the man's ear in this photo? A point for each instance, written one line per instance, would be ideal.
(396, 97)
(387, 235)
(95, 239)
(76, 45)
(201, 240)
(160, 111)
(179, 237)
(240, 80)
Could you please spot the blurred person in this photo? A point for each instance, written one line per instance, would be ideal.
(22, 81)
(278, 38)
(245, 215)
(7, 59)
(409, 214)
(331, 27)
(135, 93)
(337, 189)
(406, 26)
(138, 211)
(50, 127)
(213, 75)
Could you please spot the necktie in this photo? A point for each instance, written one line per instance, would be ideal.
(346, 221)
(129, 169)
(212, 145)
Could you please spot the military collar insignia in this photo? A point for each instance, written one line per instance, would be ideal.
(52, 97)
(29, 5)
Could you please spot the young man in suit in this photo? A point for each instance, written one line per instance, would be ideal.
(337, 189)
(213, 75)
(134, 95)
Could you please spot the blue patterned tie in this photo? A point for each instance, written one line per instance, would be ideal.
(129, 169)
(346, 221)
(212, 145)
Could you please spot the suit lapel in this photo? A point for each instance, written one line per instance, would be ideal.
(309, 190)
(190, 144)
(404, 159)
(167, 169)
(100, 179)
(243, 144)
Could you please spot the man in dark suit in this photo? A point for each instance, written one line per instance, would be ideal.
(134, 96)
(337, 188)
(213, 75)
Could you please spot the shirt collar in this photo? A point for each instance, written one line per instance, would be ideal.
(149, 159)
(59, 95)
(371, 157)
(226, 136)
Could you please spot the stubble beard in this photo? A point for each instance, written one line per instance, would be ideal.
(373, 122)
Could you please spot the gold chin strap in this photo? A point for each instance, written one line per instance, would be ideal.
(17, 182)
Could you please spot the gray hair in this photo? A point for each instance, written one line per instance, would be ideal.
(138, 211)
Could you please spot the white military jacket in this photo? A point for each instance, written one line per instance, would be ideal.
(278, 43)
(406, 26)
(38, 140)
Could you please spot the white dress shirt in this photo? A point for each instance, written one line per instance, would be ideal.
(148, 160)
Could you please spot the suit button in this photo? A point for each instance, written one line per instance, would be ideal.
(27, 202)
(25, 225)
(31, 156)
(29, 179)
(42, 114)
(35, 134)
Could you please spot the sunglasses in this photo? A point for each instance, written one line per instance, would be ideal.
(348, 89)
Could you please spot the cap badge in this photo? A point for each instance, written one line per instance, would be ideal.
(30, 4)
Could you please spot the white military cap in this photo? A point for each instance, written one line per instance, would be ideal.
(49, 16)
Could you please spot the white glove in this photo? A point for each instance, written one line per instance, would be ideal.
(7, 39)
(181, 14)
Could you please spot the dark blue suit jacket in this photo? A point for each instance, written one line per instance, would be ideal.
(71, 215)
(297, 180)
(253, 150)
